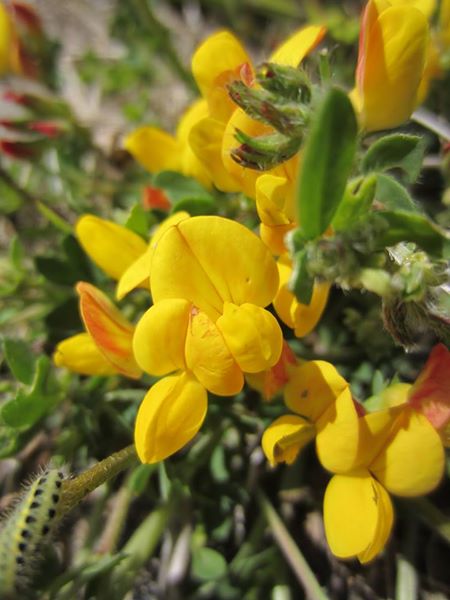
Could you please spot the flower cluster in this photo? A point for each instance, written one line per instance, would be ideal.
(213, 282)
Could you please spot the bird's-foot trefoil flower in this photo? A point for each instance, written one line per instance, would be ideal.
(208, 326)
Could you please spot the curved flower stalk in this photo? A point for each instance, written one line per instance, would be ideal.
(397, 449)
(391, 61)
(207, 327)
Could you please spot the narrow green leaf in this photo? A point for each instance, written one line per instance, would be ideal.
(326, 163)
(390, 194)
(398, 150)
(403, 226)
(178, 186)
(54, 219)
(20, 359)
(356, 203)
(195, 206)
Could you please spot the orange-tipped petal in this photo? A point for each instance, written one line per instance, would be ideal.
(358, 515)
(430, 393)
(209, 358)
(412, 461)
(212, 260)
(111, 332)
(160, 335)
(80, 354)
(285, 438)
(391, 61)
(313, 387)
(112, 247)
(253, 336)
(169, 417)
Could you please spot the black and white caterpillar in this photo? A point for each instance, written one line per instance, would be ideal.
(25, 530)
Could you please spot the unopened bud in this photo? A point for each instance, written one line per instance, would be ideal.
(264, 152)
(289, 82)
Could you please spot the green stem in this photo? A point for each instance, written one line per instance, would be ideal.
(291, 551)
(74, 490)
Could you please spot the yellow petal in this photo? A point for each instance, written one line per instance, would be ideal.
(274, 235)
(169, 417)
(211, 260)
(209, 358)
(109, 329)
(205, 139)
(296, 47)
(285, 438)
(412, 462)
(80, 355)
(338, 434)
(300, 317)
(253, 336)
(312, 388)
(426, 6)
(216, 63)
(159, 338)
(444, 22)
(112, 247)
(137, 274)
(190, 164)
(271, 200)
(7, 39)
(357, 514)
(154, 149)
(392, 57)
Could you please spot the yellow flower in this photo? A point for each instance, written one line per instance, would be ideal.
(302, 318)
(208, 325)
(157, 150)
(324, 409)
(392, 51)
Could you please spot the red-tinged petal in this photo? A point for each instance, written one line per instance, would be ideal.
(430, 393)
(80, 354)
(169, 417)
(285, 438)
(358, 515)
(112, 247)
(272, 381)
(312, 388)
(153, 197)
(111, 332)
(160, 335)
(209, 358)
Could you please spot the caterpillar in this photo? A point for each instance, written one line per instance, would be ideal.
(25, 530)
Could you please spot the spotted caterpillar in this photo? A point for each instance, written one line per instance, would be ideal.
(24, 532)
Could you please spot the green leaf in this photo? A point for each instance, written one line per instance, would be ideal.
(20, 359)
(140, 221)
(16, 253)
(409, 227)
(326, 163)
(301, 283)
(195, 206)
(55, 270)
(10, 200)
(356, 203)
(207, 564)
(9, 441)
(392, 195)
(77, 259)
(28, 407)
(397, 150)
(178, 187)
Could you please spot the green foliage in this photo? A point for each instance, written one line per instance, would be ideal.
(326, 163)
(396, 151)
